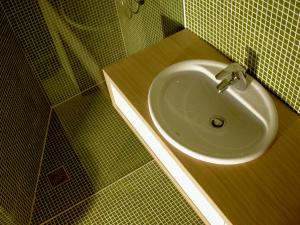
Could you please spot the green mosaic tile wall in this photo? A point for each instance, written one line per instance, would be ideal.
(24, 113)
(67, 42)
(146, 196)
(155, 20)
(262, 35)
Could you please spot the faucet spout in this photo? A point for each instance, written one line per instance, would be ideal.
(233, 74)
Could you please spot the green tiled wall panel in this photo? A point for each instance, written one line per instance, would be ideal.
(262, 35)
(155, 20)
(24, 112)
(93, 25)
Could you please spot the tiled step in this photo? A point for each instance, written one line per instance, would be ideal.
(145, 196)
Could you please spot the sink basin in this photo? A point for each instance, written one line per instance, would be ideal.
(228, 128)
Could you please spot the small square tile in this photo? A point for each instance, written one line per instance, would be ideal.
(270, 29)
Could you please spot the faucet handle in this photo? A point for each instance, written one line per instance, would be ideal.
(229, 70)
(242, 80)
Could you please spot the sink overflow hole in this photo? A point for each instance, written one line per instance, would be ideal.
(217, 121)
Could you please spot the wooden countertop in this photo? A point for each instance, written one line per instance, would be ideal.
(264, 191)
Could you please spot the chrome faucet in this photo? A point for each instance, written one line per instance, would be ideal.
(233, 74)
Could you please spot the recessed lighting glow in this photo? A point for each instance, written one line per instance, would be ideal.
(188, 186)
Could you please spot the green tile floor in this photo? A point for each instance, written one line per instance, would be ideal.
(145, 196)
(113, 179)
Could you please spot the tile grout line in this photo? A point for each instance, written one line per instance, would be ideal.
(96, 193)
(40, 166)
(64, 101)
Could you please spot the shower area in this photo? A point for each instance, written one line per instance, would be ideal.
(66, 156)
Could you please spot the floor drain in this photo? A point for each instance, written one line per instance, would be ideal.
(58, 177)
(217, 121)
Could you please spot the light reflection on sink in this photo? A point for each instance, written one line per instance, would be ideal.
(229, 128)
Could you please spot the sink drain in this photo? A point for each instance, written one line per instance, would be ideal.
(217, 121)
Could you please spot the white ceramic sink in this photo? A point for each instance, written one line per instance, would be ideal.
(228, 128)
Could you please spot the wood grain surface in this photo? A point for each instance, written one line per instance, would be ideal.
(264, 191)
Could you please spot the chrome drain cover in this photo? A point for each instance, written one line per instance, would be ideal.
(217, 121)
